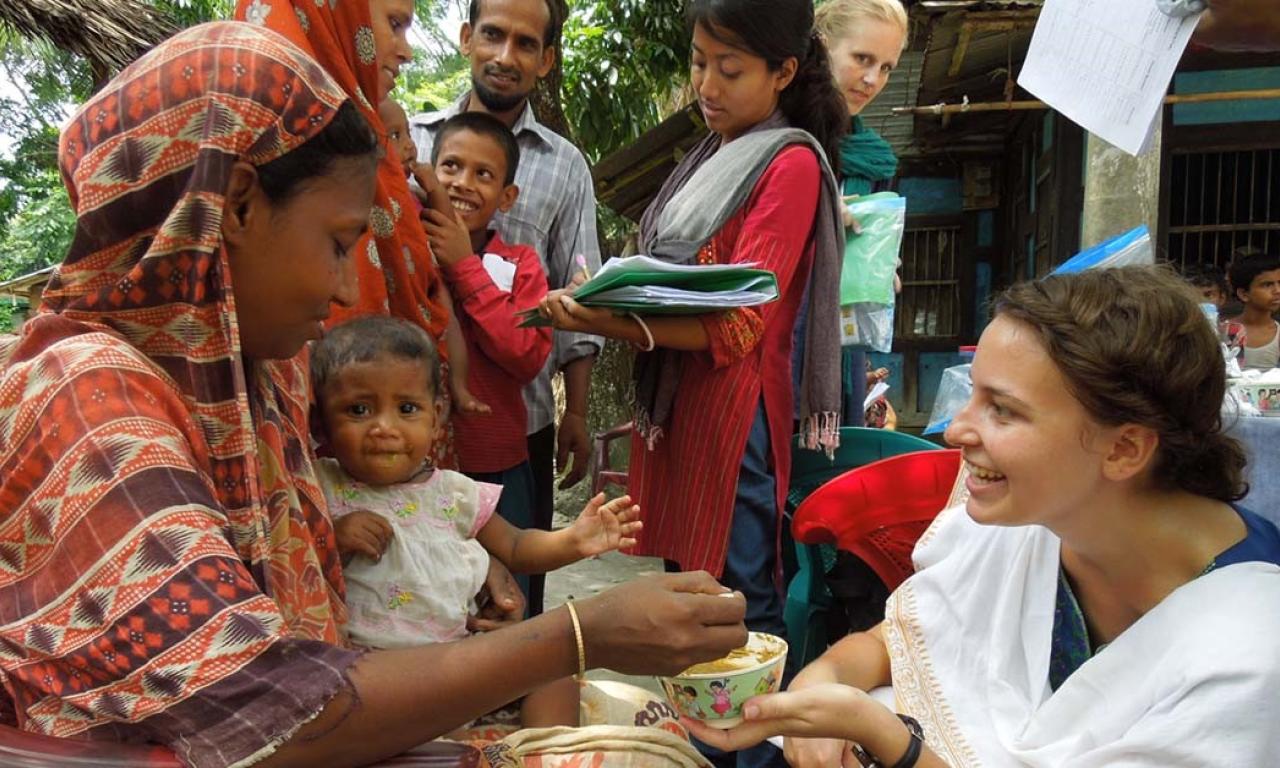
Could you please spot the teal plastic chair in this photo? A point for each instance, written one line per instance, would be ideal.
(804, 566)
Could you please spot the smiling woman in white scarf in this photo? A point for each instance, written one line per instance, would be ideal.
(1099, 599)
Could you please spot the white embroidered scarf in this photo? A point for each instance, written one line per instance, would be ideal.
(1195, 682)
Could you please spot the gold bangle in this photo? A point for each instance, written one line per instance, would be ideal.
(577, 635)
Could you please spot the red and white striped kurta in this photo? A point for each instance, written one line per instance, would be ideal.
(686, 486)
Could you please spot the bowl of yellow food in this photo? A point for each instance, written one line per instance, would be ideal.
(715, 691)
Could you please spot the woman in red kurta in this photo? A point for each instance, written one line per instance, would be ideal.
(687, 485)
(710, 464)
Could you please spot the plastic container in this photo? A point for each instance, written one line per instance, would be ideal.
(954, 390)
(1133, 247)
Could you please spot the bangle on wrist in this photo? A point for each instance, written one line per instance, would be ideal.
(577, 636)
(648, 335)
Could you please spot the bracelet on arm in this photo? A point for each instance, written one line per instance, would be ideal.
(577, 636)
(909, 759)
(648, 335)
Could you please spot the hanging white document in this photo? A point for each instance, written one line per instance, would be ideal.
(1106, 65)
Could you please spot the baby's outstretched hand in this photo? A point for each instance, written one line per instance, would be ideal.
(362, 533)
(603, 527)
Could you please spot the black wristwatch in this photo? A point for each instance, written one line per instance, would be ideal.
(908, 760)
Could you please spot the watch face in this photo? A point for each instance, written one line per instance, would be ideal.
(913, 725)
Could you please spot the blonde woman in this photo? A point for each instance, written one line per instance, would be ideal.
(864, 39)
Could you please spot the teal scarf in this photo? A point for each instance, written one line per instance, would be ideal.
(865, 158)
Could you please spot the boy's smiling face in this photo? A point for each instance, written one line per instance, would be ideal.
(472, 168)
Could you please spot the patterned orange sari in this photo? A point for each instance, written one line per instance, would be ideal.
(397, 273)
(168, 572)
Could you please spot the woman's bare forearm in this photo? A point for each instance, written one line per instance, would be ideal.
(860, 660)
(402, 698)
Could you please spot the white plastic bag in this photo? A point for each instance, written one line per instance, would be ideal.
(867, 325)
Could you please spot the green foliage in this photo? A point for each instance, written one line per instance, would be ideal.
(38, 235)
(423, 89)
(623, 62)
(35, 217)
(191, 12)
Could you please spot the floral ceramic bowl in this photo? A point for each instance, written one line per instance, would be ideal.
(715, 691)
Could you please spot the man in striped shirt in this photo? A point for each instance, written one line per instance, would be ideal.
(511, 45)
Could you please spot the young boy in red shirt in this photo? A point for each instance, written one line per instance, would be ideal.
(475, 157)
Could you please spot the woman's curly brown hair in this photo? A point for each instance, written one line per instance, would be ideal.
(1135, 348)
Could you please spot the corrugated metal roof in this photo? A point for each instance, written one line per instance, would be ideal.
(972, 53)
(943, 6)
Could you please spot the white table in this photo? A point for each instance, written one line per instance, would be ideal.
(1261, 438)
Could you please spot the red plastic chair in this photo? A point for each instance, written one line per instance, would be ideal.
(21, 749)
(602, 471)
(878, 512)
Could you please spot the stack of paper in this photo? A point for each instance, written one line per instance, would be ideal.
(1106, 65)
(648, 286)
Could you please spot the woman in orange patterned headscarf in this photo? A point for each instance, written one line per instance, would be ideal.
(363, 44)
(166, 563)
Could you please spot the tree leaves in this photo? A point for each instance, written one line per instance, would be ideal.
(623, 62)
(36, 221)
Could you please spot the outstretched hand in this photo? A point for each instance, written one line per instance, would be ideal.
(606, 526)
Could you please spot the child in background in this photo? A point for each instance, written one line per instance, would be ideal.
(1211, 285)
(880, 414)
(415, 542)
(1210, 282)
(475, 157)
(1256, 282)
(400, 145)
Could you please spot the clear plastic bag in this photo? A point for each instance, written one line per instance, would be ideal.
(867, 325)
(871, 258)
(1131, 248)
(954, 390)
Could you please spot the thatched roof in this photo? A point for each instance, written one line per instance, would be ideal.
(109, 33)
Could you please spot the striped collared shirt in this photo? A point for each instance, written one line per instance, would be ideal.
(555, 214)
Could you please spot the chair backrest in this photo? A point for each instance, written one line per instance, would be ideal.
(859, 446)
(878, 511)
(21, 749)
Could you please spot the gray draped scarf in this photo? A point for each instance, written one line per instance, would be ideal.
(705, 190)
